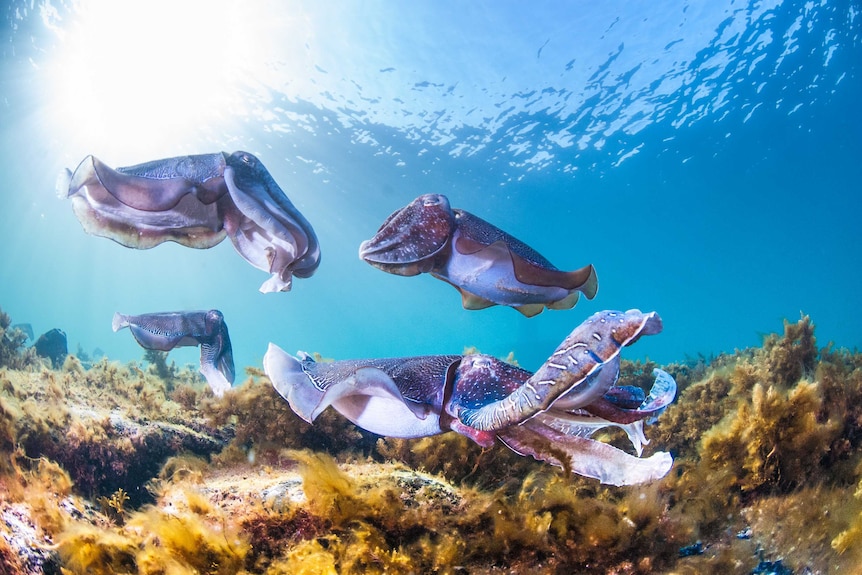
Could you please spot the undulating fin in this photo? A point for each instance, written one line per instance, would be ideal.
(472, 301)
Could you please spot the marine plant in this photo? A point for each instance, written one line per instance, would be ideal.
(266, 436)
(115, 506)
(159, 362)
(768, 442)
(13, 353)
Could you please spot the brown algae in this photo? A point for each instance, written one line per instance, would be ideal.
(138, 469)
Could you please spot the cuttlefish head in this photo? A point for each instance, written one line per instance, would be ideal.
(411, 239)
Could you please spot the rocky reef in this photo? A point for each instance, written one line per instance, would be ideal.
(137, 468)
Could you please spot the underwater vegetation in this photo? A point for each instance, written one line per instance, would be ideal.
(112, 469)
(13, 353)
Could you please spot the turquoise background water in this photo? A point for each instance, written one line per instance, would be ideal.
(705, 157)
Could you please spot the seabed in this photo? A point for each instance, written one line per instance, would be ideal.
(137, 468)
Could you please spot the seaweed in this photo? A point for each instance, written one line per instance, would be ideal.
(13, 354)
(785, 359)
(114, 507)
(150, 543)
(158, 361)
(774, 443)
(767, 443)
(265, 437)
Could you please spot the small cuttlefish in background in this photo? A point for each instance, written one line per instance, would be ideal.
(166, 330)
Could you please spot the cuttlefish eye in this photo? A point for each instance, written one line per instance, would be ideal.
(431, 200)
(213, 317)
(481, 363)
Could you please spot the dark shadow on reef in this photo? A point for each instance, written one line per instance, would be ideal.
(138, 468)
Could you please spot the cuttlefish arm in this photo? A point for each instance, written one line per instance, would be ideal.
(574, 371)
(413, 238)
(562, 437)
(395, 397)
(612, 407)
(584, 456)
(197, 201)
(586, 421)
(265, 227)
(168, 330)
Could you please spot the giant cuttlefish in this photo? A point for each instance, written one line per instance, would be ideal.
(167, 330)
(550, 414)
(487, 265)
(197, 201)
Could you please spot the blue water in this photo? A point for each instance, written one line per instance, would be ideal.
(705, 157)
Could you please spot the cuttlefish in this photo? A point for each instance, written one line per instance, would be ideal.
(549, 414)
(197, 201)
(487, 265)
(166, 330)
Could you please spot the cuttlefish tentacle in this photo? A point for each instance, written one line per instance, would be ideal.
(662, 394)
(167, 330)
(603, 412)
(584, 456)
(266, 228)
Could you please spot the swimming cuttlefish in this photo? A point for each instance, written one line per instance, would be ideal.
(549, 414)
(197, 201)
(487, 265)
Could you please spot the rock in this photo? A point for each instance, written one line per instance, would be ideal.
(52, 345)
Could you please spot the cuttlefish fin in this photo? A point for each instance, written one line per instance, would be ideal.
(366, 382)
(567, 302)
(348, 395)
(584, 279)
(472, 301)
(531, 309)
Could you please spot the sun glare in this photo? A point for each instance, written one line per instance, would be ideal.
(138, 73)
